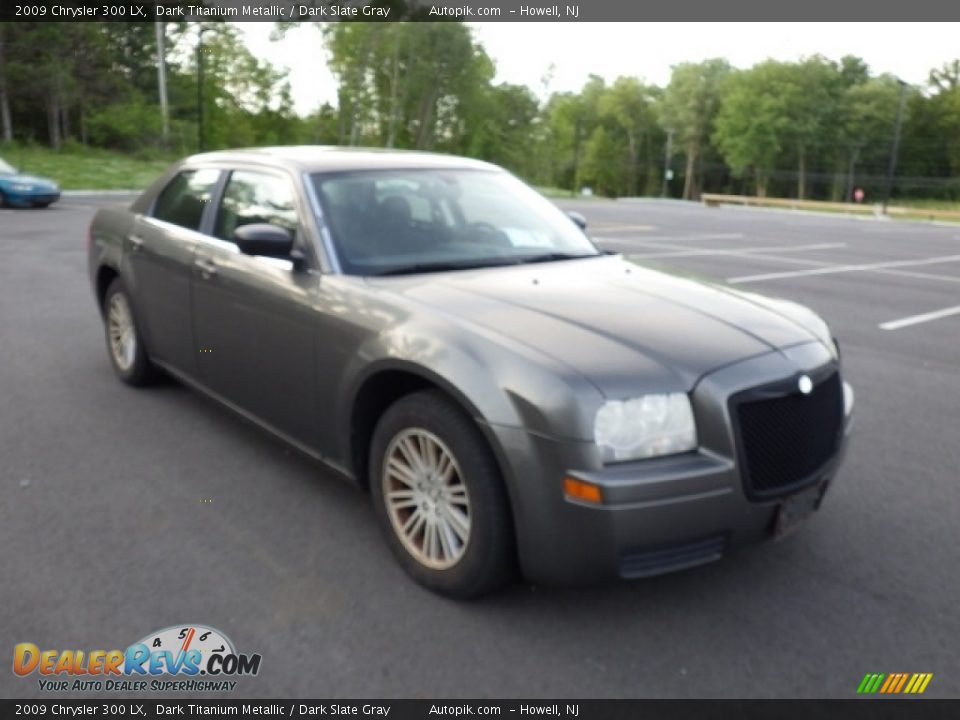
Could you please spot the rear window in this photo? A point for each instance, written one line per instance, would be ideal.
(185, 197)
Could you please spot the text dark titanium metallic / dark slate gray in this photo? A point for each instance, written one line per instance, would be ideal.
(436, 330)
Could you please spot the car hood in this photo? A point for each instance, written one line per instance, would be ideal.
(627, 329)
(27, 180)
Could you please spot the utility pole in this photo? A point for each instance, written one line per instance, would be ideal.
(666, 164)
(201, 143)
(162, 80)
(892, 167)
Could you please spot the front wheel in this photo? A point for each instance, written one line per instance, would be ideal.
(439, 497)
(128, 356)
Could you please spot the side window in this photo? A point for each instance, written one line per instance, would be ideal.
(252, 197)
(184, 199)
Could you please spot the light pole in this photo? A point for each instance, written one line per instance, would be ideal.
(892, 167)
(666, 164)
(162, 82)
(200, 137)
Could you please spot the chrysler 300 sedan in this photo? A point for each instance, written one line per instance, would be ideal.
(509, 395)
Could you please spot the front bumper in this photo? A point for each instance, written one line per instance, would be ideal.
(32, 199)
(657, 515)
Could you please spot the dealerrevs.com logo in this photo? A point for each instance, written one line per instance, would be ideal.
(181, 658)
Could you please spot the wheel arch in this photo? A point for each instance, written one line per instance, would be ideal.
(106, 274)
(385, 384)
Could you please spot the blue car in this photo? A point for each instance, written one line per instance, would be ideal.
(19, 190)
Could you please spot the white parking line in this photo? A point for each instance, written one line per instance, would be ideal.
(781, 259)
(622, 228)
(917, 319)
(835, 269)
(671, 238)
(695, 252)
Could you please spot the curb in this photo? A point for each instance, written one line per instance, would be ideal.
(82, 193)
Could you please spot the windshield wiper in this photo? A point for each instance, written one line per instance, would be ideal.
(442, 265)
(551, 257)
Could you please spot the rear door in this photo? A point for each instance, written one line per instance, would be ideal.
(254, 317)
(159, 255)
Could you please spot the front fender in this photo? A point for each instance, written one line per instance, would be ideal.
(497, 384)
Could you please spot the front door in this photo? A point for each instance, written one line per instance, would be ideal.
(254, 318)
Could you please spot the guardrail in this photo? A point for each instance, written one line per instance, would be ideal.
(713, 200)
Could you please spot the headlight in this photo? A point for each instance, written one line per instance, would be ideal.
(21, 187)
(645, 427)
(847, 399)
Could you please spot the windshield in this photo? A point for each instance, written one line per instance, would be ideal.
(398, 221)
(6, 169)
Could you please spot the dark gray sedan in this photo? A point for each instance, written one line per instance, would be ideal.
(437, 332)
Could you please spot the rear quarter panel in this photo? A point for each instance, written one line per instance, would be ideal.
(108, 232)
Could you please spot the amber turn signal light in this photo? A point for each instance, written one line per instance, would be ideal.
(581, 490)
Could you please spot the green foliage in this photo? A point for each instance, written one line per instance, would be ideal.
(810, 128)
(76, 167)
(125, 126)
(689, 108)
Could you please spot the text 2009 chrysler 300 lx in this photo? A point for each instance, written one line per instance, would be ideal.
(436, 330)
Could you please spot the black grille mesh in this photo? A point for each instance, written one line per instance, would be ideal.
(787, 439)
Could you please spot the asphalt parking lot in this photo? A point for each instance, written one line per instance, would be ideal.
(124, 511)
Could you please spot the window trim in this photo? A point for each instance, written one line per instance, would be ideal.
(300, 233)
(214, 194)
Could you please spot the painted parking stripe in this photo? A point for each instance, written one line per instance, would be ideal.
(837, 269)
(667, 238)
(696, 252)
(623, 228)
(623, 246)
(922, 318)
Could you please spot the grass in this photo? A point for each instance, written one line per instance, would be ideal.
(79, 168)
(560, 193)
(927, 204)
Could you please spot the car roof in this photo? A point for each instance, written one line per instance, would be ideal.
(323, 158)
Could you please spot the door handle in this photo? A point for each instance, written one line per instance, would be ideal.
(136, 243)
(207, 268)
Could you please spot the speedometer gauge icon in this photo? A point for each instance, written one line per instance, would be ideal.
(178, 640)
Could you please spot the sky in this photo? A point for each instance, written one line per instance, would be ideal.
(524, 52)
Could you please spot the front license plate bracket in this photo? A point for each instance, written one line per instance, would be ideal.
(794, 510)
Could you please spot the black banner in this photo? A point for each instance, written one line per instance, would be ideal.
(855, 11)
(860, 709)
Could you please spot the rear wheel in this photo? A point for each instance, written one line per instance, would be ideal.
(439, 497)
(124, 343)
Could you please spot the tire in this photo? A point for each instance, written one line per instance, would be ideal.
(125, 347)
(3, 201)
(465, 559)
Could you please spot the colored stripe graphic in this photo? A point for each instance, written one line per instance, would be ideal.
(901, 682)
(870, 683)
(894, 683)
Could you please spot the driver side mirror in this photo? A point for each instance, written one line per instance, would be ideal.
(579, 220)
(264, 239)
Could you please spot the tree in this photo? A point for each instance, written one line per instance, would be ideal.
(867, 116)
(689, 107)
(750, 123)
(628, 106)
